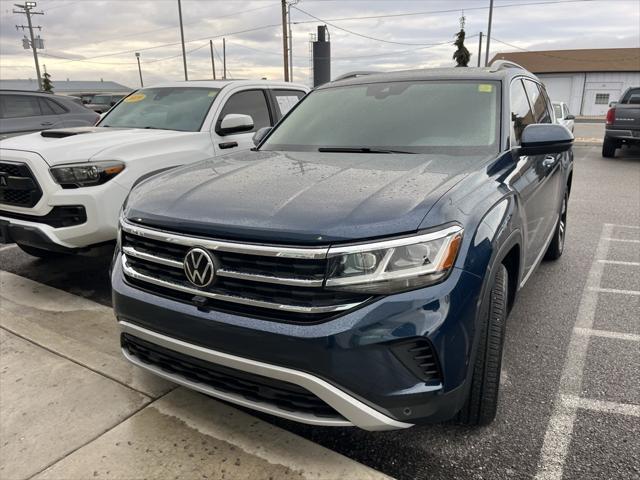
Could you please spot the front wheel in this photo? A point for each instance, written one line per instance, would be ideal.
(39, 252)
(482, 403)
(556, 247)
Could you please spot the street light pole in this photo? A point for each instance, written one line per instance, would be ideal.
(139, 68)
(480, 50)
(486, 58)
(184, 54)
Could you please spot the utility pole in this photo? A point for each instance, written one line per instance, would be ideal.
(213, 62)
(139, 68)
(285, 42)
(184, 54)
(486, 58)
(479, 49)
(224, 59)
(26, 10)
(289, 4)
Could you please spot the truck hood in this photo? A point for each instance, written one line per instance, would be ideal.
(81, 144)
(298, 197)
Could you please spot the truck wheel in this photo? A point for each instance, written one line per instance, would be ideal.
(609, 147)
(556, 247)
(39, 252)
(482, 402)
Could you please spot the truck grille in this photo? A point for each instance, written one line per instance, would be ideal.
(276, 283)
(18, 186)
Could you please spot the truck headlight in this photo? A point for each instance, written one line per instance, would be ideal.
(395, 265)
(86, 174)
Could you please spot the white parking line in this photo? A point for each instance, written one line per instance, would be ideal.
(601, 406)
(619, 262)
(560, 428)
(607, 334)
(624, 240)
(614, 290)
(7, 247)
(621, 226)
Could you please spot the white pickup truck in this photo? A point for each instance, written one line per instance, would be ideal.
(61, 190)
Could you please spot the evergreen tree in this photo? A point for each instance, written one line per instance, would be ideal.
(47, 86)
(461, 55)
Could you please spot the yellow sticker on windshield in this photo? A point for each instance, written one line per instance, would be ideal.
(213, 93)
(136, 97)
(485, 88)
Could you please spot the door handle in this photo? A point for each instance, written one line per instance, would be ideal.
(46, 124)
(549, 162)
(227, 145)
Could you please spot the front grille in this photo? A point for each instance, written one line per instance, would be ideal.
(248, 281)
(283, 395)
(419, 356)
(18, 186)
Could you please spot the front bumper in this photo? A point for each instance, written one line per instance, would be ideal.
(348, 362)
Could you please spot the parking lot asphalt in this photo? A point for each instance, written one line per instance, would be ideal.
(570, 390)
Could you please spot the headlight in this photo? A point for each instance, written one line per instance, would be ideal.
(86, 174)
(394, 265)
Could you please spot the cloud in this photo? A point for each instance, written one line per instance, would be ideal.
(98, 38)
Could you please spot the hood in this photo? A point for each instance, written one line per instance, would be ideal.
(298, 197)
(68, 145)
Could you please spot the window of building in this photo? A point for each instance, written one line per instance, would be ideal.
(602, 99)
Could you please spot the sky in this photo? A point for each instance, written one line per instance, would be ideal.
(94, 39)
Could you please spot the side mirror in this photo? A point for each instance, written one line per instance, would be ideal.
(612, 104)
(570, 117)
(260, 134)
(543, 138)
(235, 123)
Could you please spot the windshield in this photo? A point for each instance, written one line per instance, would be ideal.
(557, 109)
(170, 108)
(412, 116)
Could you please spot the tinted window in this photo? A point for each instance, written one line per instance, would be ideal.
(250, 102)
(632, 97)
(521, 114)
(285, 99)
(170, 108)
(16, 106)
(49, 107)
(538, 102)
(416, 116)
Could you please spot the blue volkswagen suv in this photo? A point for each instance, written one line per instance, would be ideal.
(357, 267)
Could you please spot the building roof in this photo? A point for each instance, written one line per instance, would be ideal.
(571, 61)
(66, 86)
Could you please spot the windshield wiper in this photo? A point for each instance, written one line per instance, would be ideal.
(359, 150)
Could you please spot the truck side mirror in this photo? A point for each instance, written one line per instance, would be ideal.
(545, 138)
(260, 134)
(235, 123)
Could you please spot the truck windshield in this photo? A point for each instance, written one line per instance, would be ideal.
(407, 116)
(167, 108)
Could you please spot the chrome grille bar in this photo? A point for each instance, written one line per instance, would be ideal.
(223, 272)
(311, 253)
(132, 273)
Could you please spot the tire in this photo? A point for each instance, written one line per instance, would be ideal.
(609, 147)
(482, 403)
(39, 252)
(556, 247)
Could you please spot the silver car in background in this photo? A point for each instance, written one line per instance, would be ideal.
(28, 111)
(563, 117)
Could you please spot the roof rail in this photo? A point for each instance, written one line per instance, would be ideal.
(358, 73)
(498, 65)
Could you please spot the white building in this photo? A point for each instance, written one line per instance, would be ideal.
(587, 80)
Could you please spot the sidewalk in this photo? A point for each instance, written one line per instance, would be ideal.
(72, 408)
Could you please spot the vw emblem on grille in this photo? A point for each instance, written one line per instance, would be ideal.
(199, 267)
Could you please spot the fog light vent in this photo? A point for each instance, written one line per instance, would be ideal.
(419, 356)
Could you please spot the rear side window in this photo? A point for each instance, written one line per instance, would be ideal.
(538, 102)
(249, 102)
(49, 107)
(632, 97)
(521, 114)
(286, 99)
(20, 106)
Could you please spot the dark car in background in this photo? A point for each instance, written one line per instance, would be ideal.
(622, 123)
(357, 267)
(26, 111)
(102, 102)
